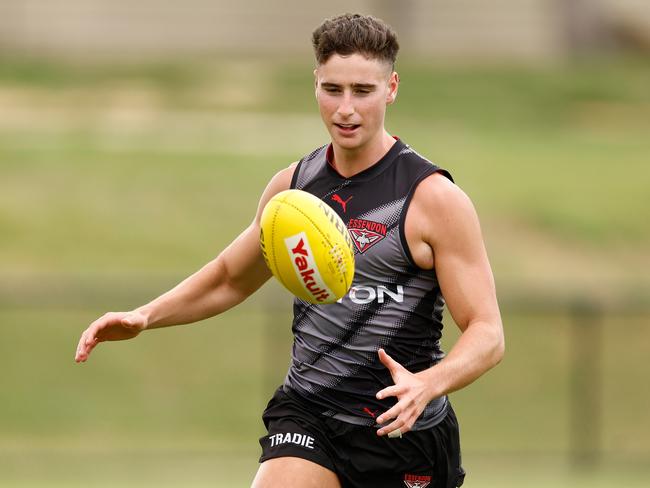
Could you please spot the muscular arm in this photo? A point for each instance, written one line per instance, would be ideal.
(466, 281)
(221, 284)
(443, 232)
(237, 272)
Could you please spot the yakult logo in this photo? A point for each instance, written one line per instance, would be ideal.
(305, 267)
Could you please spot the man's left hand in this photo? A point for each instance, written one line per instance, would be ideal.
(412, 397)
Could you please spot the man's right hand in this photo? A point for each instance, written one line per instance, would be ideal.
(113, 326)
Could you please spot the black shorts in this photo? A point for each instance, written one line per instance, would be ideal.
(360, 458)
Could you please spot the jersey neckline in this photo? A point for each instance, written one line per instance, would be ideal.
(370, 172)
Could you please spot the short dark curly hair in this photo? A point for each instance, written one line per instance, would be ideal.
(354, 33)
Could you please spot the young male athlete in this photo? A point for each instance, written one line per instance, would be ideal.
(364, 403)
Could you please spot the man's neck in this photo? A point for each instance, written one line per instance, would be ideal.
(351, 162)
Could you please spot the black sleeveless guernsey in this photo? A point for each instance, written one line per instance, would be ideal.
(392, 304)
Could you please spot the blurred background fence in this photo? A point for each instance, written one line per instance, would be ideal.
(135, 139)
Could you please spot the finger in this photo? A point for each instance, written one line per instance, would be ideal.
(94, 331)
(392, 365)
(91, 336)
(404, 422)
(92, 345)
(392, 427)
(88, 340)
(390, 391)
(82, 347)
(79, 352)
(392, 413)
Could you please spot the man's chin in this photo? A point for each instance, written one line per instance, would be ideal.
(347, 143)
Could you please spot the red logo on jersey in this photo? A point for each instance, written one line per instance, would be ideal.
(344, 203)
(372, 413)
(366, 233)
(415, 481)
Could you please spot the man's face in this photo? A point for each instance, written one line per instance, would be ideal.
(352, 93)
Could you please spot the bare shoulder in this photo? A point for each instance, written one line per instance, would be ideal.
(440, 214)
(281, 181)
(439, 194)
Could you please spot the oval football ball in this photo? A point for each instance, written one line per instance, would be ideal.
(307, 246)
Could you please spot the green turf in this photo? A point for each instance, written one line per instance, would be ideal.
(218, 466)
(201, 389)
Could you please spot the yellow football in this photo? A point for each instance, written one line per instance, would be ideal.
(307, 246)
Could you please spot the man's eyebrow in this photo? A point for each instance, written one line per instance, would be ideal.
(363, 86)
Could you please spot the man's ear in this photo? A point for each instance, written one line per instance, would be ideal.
(316, 82)
(393, 85)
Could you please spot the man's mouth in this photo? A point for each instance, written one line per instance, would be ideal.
(347, 127)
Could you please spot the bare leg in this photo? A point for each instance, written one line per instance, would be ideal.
(293, 472)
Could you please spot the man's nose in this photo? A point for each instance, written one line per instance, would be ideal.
(346, 107)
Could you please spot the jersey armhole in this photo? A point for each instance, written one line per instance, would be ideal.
(296, 173)
(294, 178)
(402, 219)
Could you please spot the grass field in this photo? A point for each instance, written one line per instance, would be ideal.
(116, 182)
(221, 467)
(180, 407)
